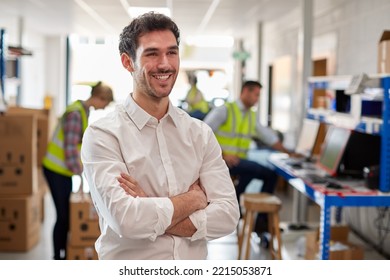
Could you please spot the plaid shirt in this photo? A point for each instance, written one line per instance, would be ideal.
(73, 133)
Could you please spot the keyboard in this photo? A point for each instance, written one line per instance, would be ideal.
(315, 178)
(292, 161)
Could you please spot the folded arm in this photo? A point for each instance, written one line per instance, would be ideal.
(184, 204)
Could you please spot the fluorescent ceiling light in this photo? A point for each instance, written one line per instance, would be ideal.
(137, 11)
(210, 41)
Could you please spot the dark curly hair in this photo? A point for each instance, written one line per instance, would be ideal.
(128, 40)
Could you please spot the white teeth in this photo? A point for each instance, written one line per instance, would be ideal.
(162, 77)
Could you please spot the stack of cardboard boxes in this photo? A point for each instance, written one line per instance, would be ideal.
(84, 228)
(340, 248)
(23, 140)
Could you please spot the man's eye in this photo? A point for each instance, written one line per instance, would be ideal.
(172, 52)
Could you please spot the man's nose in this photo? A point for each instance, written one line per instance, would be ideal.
(163, 61)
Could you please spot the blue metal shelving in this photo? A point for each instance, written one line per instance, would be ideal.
(385, 136)
(384, 129)
(328, 200)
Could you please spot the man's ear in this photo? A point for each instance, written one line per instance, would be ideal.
(127, 62)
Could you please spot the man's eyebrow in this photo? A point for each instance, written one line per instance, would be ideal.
(157, 49)
(174, 47)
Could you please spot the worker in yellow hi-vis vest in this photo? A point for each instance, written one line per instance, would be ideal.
(198, 107)
(62, 159)
(236, 125)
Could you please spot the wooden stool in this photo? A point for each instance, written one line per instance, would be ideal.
(260, 203)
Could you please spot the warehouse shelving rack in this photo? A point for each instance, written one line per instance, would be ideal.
(363, 124)
(328, 199)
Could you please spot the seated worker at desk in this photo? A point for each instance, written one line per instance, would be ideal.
(198, 107)
(235, 124)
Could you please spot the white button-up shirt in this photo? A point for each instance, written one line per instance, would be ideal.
(165, 157)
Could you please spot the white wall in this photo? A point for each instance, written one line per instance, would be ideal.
(358, 25)
(54, 72)
(32, 68)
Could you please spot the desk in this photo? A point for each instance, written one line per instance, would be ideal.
(326, 198)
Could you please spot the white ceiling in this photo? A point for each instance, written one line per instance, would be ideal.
(108, 17)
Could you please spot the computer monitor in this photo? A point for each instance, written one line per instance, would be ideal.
(332, 151)
(362, 150)
(307, 137)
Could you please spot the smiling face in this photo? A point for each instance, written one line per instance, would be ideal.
(156, 66)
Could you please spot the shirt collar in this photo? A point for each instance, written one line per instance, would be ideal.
(241, 105)
(140, 117)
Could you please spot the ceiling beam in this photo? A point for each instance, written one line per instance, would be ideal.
(207, 16)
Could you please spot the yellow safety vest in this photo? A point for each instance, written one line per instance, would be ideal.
(236, 134)
(54, 159)
(202, 105)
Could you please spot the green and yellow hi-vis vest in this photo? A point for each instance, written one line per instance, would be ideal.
(54, 159)
(236, 134)
(202, 105)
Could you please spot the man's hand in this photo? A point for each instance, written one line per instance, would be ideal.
(185, 204)
(130, 185)
(231, 160)
(200, 194)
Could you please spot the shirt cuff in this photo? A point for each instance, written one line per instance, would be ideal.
(164, 210)
(199, 220)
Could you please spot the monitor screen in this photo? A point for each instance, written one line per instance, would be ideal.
(363, 150)
(332, 150)
(307, 137)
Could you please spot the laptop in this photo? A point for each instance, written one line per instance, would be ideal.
(328, 162)
(308, 137)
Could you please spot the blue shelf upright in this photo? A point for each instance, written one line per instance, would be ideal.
(384, 185)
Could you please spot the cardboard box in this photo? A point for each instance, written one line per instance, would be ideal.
(384, 53)
(42, 131)
(15, 110)
(42, 194)
(353, 252)
(84, 221)
(81, 253)
(20, 223)
(43, 138)
(42, 183)
(339, 237)
(43, 189)
(18, 168)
